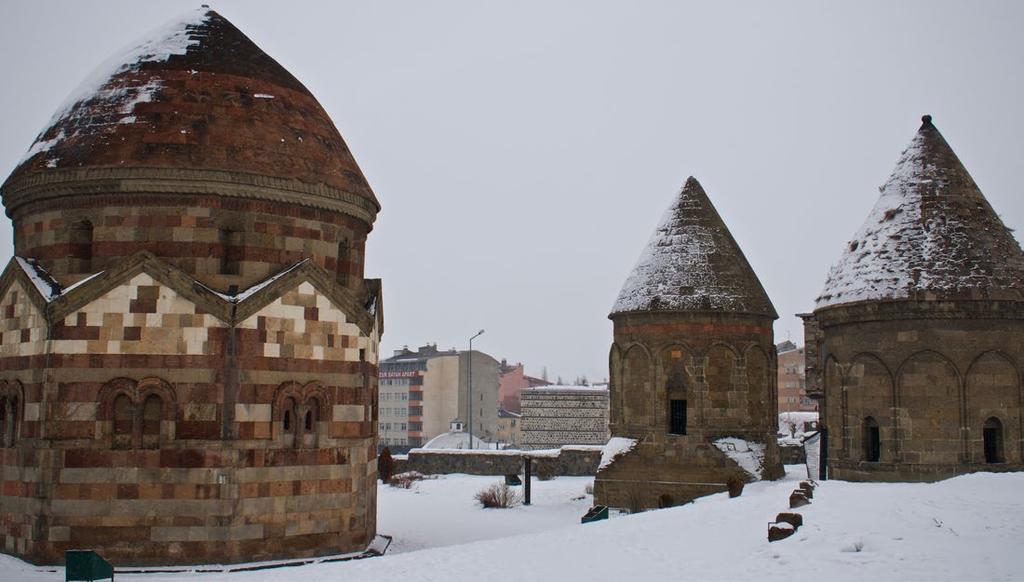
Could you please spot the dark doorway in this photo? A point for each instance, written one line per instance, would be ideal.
(677, 417)
(992, 434)
(872, 441)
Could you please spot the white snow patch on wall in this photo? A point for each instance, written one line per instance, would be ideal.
(749, 456)
(616, 446)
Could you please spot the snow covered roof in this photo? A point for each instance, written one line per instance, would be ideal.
(196, 93)
(565, 388)
(692, 263)
(931, 235)
(456, 440)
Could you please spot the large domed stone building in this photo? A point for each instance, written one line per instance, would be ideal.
(188, 365)
(917, 340)
(692, 367)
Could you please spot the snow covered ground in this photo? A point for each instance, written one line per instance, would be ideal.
(443, 512)
(967, 528)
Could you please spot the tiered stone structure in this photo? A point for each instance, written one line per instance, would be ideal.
(188, 361)
(693, 361)
(554, 416)
(915, 344)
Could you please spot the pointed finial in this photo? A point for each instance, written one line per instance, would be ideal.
(926, 120)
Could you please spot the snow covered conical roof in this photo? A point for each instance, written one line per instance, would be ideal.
(931, 235)
(197, 94)
(692, 263)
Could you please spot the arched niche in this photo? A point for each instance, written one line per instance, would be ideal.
(929, 410)
(676, 396)
(870, 394)
(993, 392)
(761, 409)
(636, 386)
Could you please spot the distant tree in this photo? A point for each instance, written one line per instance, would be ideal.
(584, 381)
(385, 465)
(559, 381)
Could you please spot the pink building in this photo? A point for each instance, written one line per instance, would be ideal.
(512, 380)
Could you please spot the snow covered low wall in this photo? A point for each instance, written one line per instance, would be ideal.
(569, 461)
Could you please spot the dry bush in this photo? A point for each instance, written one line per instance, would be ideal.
(589, 490)
(498, 495)
(405, 480)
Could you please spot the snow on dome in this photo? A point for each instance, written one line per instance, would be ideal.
(108, 84)
(456, 440)
(692, 263)
(931, 231)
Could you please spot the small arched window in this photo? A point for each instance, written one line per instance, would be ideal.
(872, 441)
(289, 415)
(80, 251)
(152, 414)
(124, 414)
(992, 435)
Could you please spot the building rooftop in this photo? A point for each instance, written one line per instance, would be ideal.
(692, 263)
(197, 94)
(931, 235)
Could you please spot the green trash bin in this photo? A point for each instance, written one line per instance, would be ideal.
(86, 566)
(596, 513)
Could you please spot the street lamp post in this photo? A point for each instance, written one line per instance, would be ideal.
(470, 402)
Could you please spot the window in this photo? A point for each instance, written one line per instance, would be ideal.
(677, 417)
(123, 421)
(872, 441)
(8, 421)
(152, 412)
(992, 435)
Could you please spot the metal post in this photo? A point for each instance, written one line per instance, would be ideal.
(528, 462)
(470, 388)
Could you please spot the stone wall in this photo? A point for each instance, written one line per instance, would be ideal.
(557, 416)
(931, 376)
(723, 368)
(168, 426)
(567, 461)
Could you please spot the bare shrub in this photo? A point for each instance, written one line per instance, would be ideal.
(405, 480)
(589, 490)
(498, 495)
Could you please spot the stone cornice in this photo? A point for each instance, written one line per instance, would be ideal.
(60, 183)
(209, 301)
(875, 311)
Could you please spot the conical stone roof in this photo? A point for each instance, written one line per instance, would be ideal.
(197, 94)
(931, 235)
(693, 264)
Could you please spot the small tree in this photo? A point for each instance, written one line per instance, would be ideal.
(385, 465)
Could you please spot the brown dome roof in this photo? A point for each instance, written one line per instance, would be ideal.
(197, 94)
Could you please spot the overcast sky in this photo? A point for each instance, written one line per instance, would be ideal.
(524, 151)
